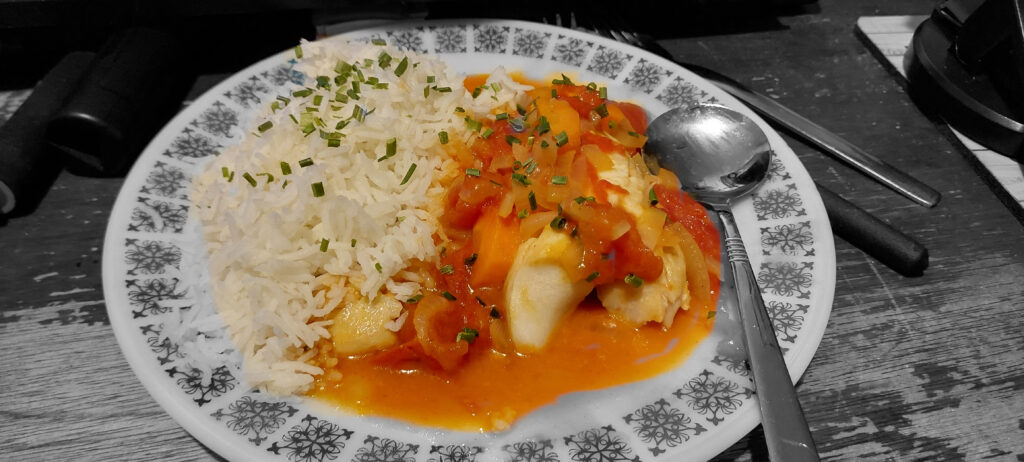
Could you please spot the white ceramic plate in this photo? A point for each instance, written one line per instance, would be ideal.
(152, 255)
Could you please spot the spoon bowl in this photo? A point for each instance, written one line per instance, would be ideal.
(719, 155)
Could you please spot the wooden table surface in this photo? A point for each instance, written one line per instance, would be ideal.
(927, 368)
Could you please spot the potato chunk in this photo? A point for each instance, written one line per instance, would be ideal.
(360, 326)
(538, 292)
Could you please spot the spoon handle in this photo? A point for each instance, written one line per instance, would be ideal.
(785, 429)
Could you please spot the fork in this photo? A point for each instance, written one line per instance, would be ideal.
(827, 141)
(858, 227)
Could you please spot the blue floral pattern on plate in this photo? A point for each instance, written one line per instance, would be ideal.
(692, 412)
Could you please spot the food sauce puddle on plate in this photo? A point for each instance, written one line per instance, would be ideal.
(590, 350)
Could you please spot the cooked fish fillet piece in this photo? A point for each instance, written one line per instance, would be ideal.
(361, 325)
(654, 301)
(538, 292)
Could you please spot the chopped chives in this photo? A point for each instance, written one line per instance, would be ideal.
(430, 79)
(343, 68)
(559, 180)
(459, 109)
(318, 189)
(284, 100)
(333, 142)
(302, 93)
(470, 260)
(592, 86)
(633, 280)
(284, 183)
(274, 106)
(341, 124)
(355, 86)
(487, 133)
(652, 197)
(305, 162)
(473, 125)
(533, 200)
(481, 301)
(561, 139)
(384, 60)
(415, 298)
(448, 295)
(512, 140)
(543, 126)
(322, 81)
(521, 179)
(468, 334)
(408, 174)
(318, 99)
(379, 268)
(286, 168)
(501, 116)
(593, 276)
(476, 91)
(633, 134)
(265, 126)
(497, 184)
(324, 243)
(443, 137)
(298, 51)
(378, 42)
(558, 223)
(391, 148)
(711, 314)
(523, 213)
(352, 94)
(544, 144)
(447, 269)
(426, 91)
(353, 243)
(380, 86)
(473, 171)
(603, 93)
(294, 119)
(554, 93)
(580, 199)
(601, 110)
(249, 178)
(530, 166)
(495, 313)
(269, 176)
(402, 66)
(231, 176)
(224, 171)
(443, 89)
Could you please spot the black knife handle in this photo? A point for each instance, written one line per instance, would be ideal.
(876, 238)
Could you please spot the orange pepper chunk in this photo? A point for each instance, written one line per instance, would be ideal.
(494, 241)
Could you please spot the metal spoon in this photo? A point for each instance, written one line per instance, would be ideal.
(720, 155)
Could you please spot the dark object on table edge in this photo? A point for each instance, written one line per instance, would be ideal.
(966, 63)
(133, 87)
(28, 166)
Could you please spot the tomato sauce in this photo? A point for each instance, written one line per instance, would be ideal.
(454, 365)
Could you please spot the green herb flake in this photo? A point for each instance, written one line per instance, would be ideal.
(652, 197)
(224, 172)
(379, 268)
(408, 174)
(543, 126)
(603, 93)
(487, 133)
(459, 109)
(402, 66)
(470, 260)
(447, 269)
(231, 177)
(353, 244)
(324, 243)
(561, 139)
(415, 299)
(286, 168)
(521, 179)
(249, 178)
(448, 295)
(476, 91)
(318, 189)
(559, 180)
(473, 172)
(442, 136)
(533, 200)
(554, 93)
(495, 313)
(473, 125)
(558, 223)
(467, 334)
(378, 42)
(530, 166)
(593, 276)
(711, 314)
(512, 140)
(601, 110)
(581, 199)
(322, 81)
(633, 280)
(431, 79)
(333, 143)
(302, 93)
(501, 116)
(523, 214)
(384, 60)
(305, 162)
(298, 51)
(390, 149)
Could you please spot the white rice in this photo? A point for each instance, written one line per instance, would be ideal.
(272, 283)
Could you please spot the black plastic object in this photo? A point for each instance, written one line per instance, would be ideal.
(886, 244)
(136, 84)
(966, 63)
(28, 166)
